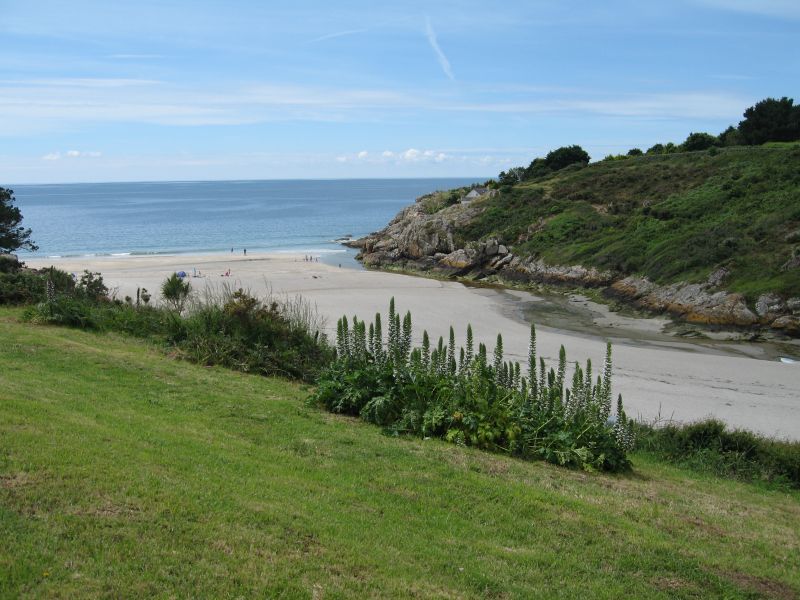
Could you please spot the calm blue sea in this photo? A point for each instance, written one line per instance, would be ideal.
(212, 216)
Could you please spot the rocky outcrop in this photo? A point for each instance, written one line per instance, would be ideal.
(531, 269)
(415, 236)
(694, 302)
(418, 241)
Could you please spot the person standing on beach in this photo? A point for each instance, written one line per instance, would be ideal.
(245, 251)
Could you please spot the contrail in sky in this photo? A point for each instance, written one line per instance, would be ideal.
(443, 62)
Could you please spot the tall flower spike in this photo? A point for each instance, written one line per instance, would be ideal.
(562, 370)
(451, 352)
(532, 355)
(378, 351)
(470, 345)
(498, 360)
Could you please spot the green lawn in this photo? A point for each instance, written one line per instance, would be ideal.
(125, 473)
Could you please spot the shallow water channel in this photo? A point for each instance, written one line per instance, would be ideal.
(583, 316)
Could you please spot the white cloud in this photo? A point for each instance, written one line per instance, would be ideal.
(39, 106)
(409, 156)
(440, 55)
(71, 154)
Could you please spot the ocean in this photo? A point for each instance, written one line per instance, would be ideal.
(305, 216)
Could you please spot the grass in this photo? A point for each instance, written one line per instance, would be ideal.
(125, 473)
(672, 217)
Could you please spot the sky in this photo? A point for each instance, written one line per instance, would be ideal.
(198, 90)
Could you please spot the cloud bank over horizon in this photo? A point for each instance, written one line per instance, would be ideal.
(155, 91)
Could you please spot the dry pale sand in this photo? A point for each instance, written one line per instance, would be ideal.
(684, 384)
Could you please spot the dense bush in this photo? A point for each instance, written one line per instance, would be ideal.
(711, 447)
(771, 120)
(27, 286)
(9, 263)
(238, 331)
(175, 292)
(231, 328)
(458, 395)
(699, 141)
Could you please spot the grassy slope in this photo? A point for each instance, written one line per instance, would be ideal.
(126, 473)
(674, 217)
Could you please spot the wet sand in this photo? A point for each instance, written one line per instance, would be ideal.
(659, 376)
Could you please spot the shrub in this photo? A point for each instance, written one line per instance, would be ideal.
(463, 397)
(27, 286)
(9, 263)
(699, 141)
(175, 292)
(91, 287)
(64, 310)
(565, 156)
(709, 446)
(232, 329)
(239, 331)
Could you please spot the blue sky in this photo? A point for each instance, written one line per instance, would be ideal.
(167, 90)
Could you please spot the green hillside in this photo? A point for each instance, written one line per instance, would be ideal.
(126, 473)
(670, 217)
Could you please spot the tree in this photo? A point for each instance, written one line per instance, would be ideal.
(731, 137)
(635, 152)
(176, 291)
(566, 156)
(656, 149)
(771, 120)
(512, 176)
(12, 235)
(537, 168)
(699, 141)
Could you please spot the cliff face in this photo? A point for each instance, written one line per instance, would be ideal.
(417, 241)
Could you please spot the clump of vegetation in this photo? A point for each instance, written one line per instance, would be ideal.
(234, 329)
(175, 292)
(13, 236)
(229, 328)
(710, 447)
(465, 397)
(436, 201)
(556, 160)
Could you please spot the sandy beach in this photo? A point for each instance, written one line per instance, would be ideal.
(678, 381)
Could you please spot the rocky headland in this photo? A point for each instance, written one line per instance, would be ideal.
(424, 241)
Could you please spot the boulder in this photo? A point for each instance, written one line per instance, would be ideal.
(770, 306)
(461, 259)
(787, 323)
(718, 277)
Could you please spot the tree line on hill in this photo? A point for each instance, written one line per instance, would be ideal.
(770, 120)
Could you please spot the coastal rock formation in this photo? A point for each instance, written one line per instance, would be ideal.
(694, 302)
(418, 241)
